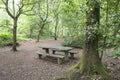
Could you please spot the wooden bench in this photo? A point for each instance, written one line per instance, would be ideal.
(60, 58)
(72, 53)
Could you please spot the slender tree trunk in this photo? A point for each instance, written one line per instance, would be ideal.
(40, 32)
(31, 32)
(38, 37)
(15, 13)
(14, 35)
(56, 27)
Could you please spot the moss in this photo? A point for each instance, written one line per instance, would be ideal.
(101, 70)
(89, 65)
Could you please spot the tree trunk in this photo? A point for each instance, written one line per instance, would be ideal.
(90, 63)
(14, 35)
(40, 31)
(38, 37)
(56, 27)
(31, 32)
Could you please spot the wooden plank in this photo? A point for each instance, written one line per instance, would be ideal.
(59, 57)
(52, 55)
(61, 48)
(73, 52)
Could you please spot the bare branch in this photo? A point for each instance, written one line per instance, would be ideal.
(13, 3)
(30, 9)
(19, 12)
(7, 8)
(42, 15)
(3, 1)
(37, 11)
(47, 11)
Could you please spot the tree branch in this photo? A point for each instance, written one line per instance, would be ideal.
(33, 4)
(7, 8)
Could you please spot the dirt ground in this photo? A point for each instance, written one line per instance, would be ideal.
(25, 64)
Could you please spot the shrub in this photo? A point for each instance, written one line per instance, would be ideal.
(115, 53)
(76, 42)
(6, 39)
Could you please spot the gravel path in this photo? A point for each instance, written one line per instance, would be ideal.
(25, 65)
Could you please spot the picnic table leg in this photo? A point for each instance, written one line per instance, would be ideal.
(66, 56)
(46, 50)
(59, 60)
(54, 51)
(39, 56)
(72, 55)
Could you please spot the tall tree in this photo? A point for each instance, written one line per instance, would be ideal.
(41, 12)
(90, 63)
(18, 7)
(56, 12)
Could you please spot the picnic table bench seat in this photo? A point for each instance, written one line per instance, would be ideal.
(59, 57)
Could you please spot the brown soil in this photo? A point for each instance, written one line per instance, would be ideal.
(25, 64)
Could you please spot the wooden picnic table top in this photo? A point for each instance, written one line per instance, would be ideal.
(57, 48)
(62, 48)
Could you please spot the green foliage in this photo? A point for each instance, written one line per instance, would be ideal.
(5, 39)
(115, 53)
(46, 33)
(96, 77)
(72, 20)
(74, 41)
(5, 25)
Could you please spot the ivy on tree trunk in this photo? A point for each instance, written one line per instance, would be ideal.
(90, 63)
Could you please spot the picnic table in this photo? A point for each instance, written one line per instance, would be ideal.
(63, 49)
(58, 48)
